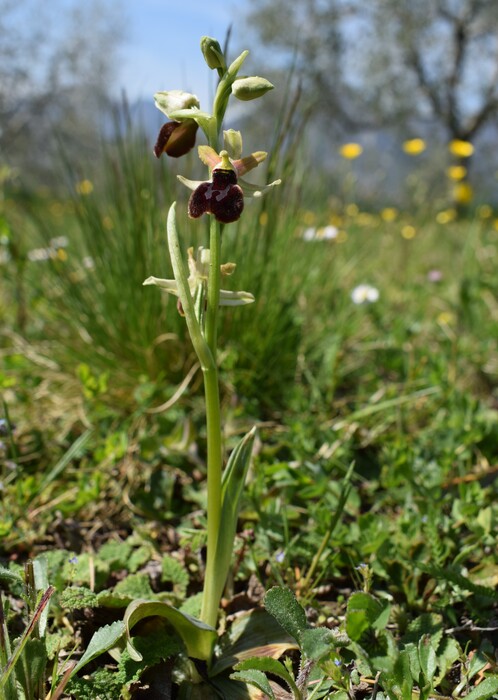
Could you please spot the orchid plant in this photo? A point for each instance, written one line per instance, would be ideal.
(197, 283)
(199, 662)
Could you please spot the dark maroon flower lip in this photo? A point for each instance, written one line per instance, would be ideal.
(176, 138)
(220, 196)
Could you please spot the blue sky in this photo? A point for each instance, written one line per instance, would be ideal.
(162, 48)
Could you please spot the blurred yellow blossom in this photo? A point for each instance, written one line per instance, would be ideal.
(445, 216)
(413, 147)
(446, 318)
(107, 222)
(408, 232)
(84, 187)
(263, 218)
(463, 193)
(309, 218)
(350, 151)
(57, 209)
(462, 149)
(495, 224)
(485, 211)
(61, 255)
(456, 172)
(364, 218)
(352, 210)
(342, 237)
(389, 214)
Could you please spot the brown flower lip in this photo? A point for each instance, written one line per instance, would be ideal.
(221, 197)
(176, 138)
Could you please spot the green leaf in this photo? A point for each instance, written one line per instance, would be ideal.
(427, 657)
(234, 478)
(400, 680)
(268, 665)
(254, 633)
(318, 643)
(254, 677)
(282, 604)
(363, 612)
(30, 668)
(448, 652)
(78, 597)
(484, 690)
(104, 639)
(197, 636)
(10, 576)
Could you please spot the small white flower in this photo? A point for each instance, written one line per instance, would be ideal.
(325, 233)
(59, 242)
(40, 254)
(4, 257)
(364, 294)
(329, 232)
(88, 262)
(309, 234)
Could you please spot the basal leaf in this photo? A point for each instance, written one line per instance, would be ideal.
(104, 639)
(484, 690)
(268, 665)
(254, 677)
(196, 635)
(364, 611)
(282, 604)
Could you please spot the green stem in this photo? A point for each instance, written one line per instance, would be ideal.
(210, 598)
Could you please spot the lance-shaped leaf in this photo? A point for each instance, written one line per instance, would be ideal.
(234, 478)
(198, 637)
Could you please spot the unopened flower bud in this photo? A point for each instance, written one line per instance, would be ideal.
(228, 268)
(232, 141)
(250, 88)
(213, 55)
(171, 101)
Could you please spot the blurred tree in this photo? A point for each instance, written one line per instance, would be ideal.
(57, 60)
(371, 64)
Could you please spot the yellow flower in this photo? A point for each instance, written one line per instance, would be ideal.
(309, 217)
(352, 210)
(408, 232)
(107, 222)
(350, 151)
(389, 214)
(462, 149)
(485, 211)
(463, 193)
(446, 318)
(413, 147)
(263, 218)
(445, 216)
(456, 172)
(84, 187)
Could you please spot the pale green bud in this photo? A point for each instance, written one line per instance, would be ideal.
(174, 100)
(212, 52)
(232, 141)
(250, 88)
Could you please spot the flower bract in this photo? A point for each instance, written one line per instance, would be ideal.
(198, 273)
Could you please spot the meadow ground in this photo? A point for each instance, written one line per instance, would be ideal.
(368, 363)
